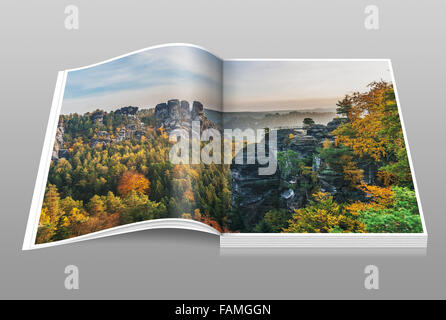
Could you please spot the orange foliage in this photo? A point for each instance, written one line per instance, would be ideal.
(381, 198)
(387, 178)
(132, 180)
(189, 195)
(207, 219)
(179, 171)
(96, 223)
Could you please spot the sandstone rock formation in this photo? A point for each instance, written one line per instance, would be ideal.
(127, 111)
(58, 150)
(176, 114)
(254, 195)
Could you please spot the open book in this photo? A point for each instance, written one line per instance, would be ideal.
(263, 153)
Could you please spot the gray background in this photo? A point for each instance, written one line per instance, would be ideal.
(183, 264)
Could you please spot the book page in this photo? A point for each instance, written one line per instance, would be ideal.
(338, 161)
(113, 161)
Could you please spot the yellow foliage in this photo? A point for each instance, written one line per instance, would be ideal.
(381, 198)
(323, 215)
(75, 216)
(44, 218)
(186, 216)
(326, 144)
(197, 213)
(367, 116)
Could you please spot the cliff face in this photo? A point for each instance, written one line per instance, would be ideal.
(254, 195)
(176, 114)
(58, 150)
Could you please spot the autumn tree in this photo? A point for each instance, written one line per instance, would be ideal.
(206, 219)
(342, 160)
(376, 197)
(49, 214)
(374, 133)
(96, 206)
(51, 202)
(323, 215)
(68, 223)
(133, 181)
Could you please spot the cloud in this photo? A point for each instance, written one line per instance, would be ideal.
(183, 72)
(143, 98)
(145, 79)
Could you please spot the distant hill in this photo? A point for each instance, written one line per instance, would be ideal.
(277, 119)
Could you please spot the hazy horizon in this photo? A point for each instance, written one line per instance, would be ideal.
(296, 84)
(315, 110)
(188, 73)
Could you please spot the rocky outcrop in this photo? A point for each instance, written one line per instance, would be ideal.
(335, 123)
(321, 132)
(176, 114)
(254, 195)
(300, 142)
(97, 117)
(318, 131)
(184, 110)
(197, 110)
(304, 145)
(330, 181)
(127, 111)
(58, 150)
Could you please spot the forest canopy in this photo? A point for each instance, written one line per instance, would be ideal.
(104, 180)
(113, 169)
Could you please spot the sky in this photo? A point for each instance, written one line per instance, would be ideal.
(153, 76)
(296, 85)
(145, 79)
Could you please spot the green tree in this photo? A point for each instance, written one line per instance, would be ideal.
(274, 221)
(308, 122)
(402, 217)
(263, 227)
(344, 106)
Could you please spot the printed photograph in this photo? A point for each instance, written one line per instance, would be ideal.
(342, 162)
(331, 131)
